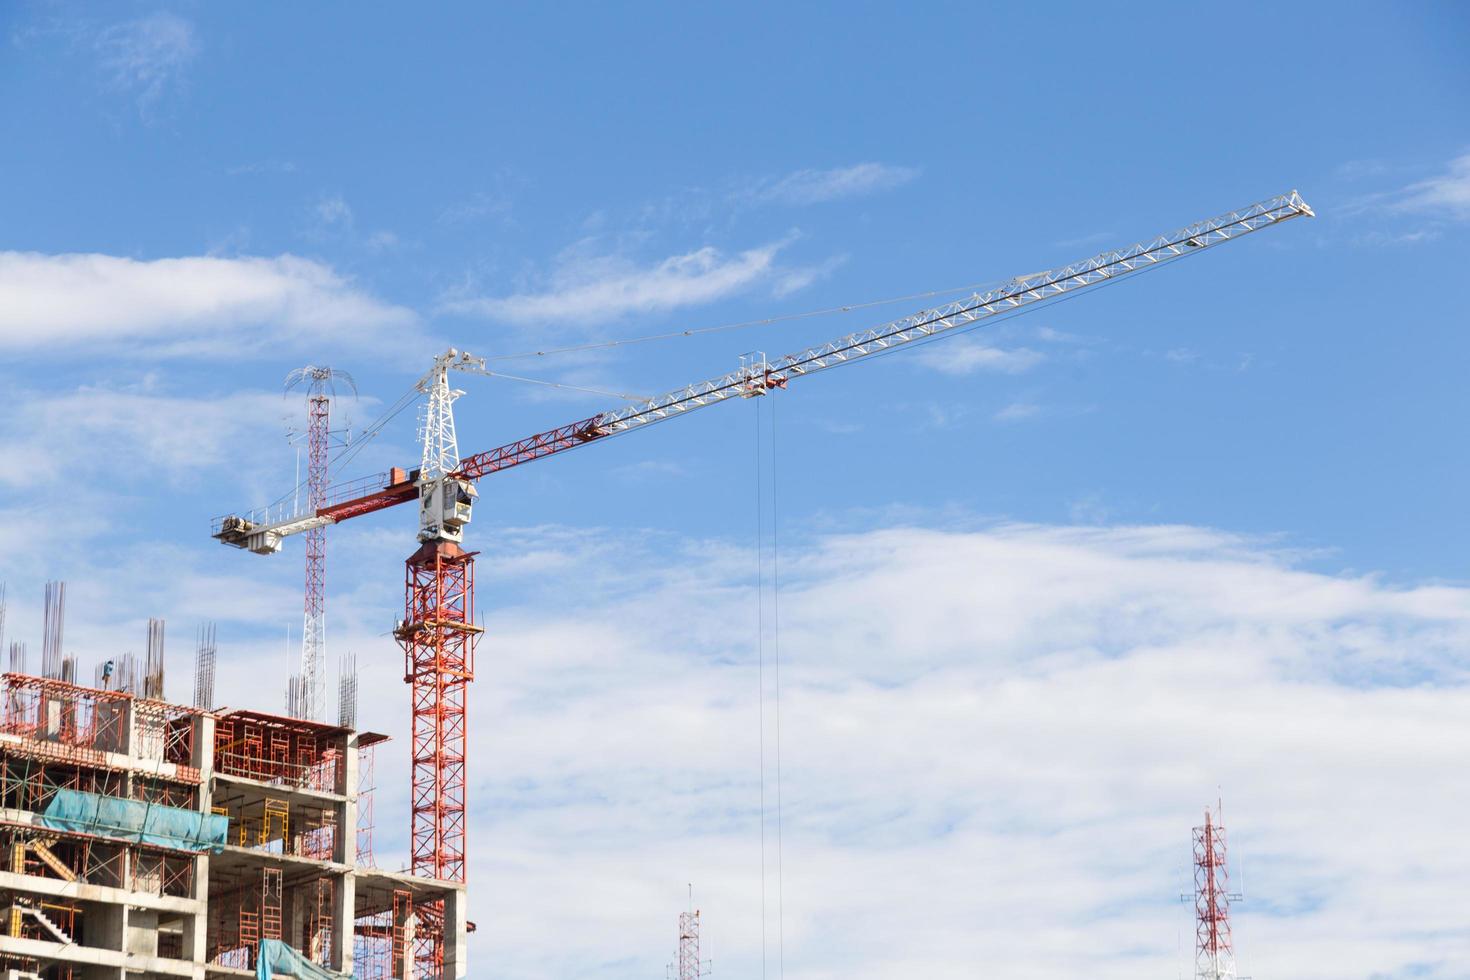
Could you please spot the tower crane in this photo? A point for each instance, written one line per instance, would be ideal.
(438, 632)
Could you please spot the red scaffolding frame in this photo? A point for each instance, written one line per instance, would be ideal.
(380, 939)
(273, 749)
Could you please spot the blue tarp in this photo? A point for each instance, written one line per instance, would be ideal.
(133, 820)
(278, 959)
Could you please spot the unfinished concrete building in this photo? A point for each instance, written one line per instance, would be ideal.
(141, 838)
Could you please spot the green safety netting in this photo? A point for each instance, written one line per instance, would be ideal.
(134, 820)
(278, 959)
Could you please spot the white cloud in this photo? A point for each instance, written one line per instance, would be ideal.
(1013, 730)
(478, 206)
(148, 57)
(493, 202)
(1017, 412)
(1446, 194)
(1082, 241)
(1009, 731)
(188, 305)
(1358, 169)
(796, 279)
(594, 289)
(333, 211)
(134, 433)
(967, 355)
(262, 167)
(381, 241)
(818, 186)
(1376, 238)
(1054, 336)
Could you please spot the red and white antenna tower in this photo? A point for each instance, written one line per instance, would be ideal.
(309, 698)
(1214, 953)
(689, 966)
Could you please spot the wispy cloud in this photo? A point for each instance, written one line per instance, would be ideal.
(1053, 336)
(1446, 194)
(1017, 412)
(381, 241)
(967, 355)
(599, 288)
(1444, 197)
(494, 201)
(330, 218)
(1359, 169)
(262, 167)
(189, 305)
(333, 211)
(797, 278)
(479, 206)
(1083, 241)
(818, 186)
(1378, 238)
(148, 57)
(133, 432)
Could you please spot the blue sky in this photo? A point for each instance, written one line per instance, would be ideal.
(198, 199)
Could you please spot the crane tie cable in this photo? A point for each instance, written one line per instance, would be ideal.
(625, 396)
(760, 451)
(760, 644)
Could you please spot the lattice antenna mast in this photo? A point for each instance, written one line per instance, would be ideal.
(688, 965)
(310, 692)
(1214, 950)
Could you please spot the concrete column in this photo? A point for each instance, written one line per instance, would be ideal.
(344, 909)
(202, 757)
(106, 927)
(347, 814)
(129, 729)
(196, 927)
(456, 935)
(344, 914)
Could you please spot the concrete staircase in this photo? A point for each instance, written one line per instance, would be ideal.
(47, 924)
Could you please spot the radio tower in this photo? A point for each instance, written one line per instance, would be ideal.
(689, 966)
(1214, 955)
(310, 695)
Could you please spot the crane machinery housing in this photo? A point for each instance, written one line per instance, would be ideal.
(438, 631)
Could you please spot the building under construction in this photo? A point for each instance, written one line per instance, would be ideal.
(142, 838)
(145, 838)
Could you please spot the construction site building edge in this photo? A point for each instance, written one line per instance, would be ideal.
(141, 838)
